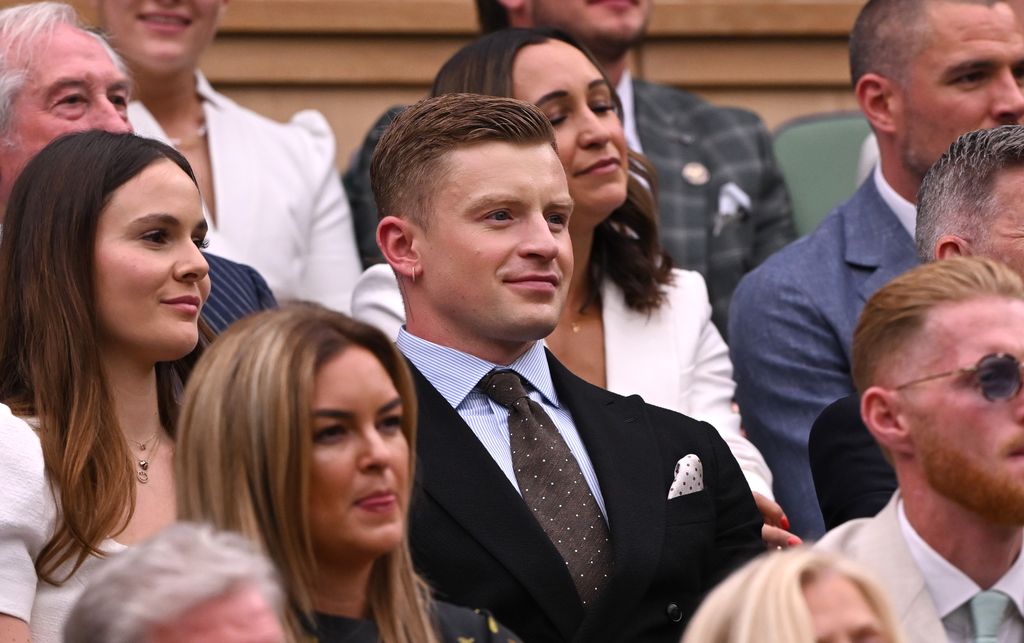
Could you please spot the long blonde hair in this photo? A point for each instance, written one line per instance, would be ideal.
(243, 460)
(764, 600)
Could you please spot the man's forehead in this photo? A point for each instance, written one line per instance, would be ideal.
(70, 54)
(958, 29)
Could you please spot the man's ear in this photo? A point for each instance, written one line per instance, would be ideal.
(879, 102)
(950, 245)
(398, 240)
(883, 414)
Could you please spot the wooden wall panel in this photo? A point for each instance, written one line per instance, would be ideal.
(352, 58)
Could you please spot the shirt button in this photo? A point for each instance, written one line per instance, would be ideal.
(674, 613)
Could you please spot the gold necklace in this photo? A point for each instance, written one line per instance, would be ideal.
(142, 474)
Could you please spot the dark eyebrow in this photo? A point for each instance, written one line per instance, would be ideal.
(162, 218)
(597, 82)
(969, 66)
(338, 414)
(550, 96)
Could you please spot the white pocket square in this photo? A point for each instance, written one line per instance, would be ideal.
(689, 477)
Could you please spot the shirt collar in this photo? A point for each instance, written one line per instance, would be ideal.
(905, 211)
(948, 586)
(455, 374)
(206, 92)
(625, 91)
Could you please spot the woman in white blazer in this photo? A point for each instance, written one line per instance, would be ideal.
(632, 324)
(272, 191)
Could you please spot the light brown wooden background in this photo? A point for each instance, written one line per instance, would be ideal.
(351, 59)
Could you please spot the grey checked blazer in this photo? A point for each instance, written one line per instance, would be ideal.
(678, 131)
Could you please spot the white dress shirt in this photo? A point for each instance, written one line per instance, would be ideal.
(951, 589)
(625, 92)
(905, 211)
(456, 375)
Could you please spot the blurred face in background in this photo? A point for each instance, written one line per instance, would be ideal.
(607, 27)
(161, 37)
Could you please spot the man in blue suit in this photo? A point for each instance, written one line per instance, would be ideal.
(924, 72)
(57, 78)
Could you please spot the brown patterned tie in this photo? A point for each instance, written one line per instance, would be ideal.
(553, 486)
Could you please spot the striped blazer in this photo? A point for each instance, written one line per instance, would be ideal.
(237, 290)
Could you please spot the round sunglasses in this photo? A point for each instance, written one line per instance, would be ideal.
(997, 376)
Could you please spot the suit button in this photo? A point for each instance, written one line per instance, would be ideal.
(674, 613)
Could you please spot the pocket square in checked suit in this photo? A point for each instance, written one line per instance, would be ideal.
(689, 477)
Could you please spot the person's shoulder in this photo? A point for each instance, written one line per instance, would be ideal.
(679, 100)
(463, 624)
(19, 439)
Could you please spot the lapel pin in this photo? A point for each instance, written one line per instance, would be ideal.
(696, 173)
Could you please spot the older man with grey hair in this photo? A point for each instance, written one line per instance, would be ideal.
(971, 203)
(187, 584)
(972, 200)
(58, 77)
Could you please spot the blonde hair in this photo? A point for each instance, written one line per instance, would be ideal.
(764, 600)
(243, 454)
(894, 315)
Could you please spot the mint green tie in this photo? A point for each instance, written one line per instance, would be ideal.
(987, 610)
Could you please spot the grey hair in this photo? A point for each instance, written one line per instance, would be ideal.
(957, 195)
(157, 581)
(21, 27)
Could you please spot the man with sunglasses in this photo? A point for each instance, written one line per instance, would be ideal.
(936, 359)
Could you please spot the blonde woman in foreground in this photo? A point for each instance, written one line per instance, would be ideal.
(796, 596)
(298, 431)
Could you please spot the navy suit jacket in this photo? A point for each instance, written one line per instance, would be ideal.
(851, 476)
(791, 329)
(236, 290)
(478, 544)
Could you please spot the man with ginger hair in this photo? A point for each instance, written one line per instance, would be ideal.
(574, 514)
(924, 72)
(936, 359)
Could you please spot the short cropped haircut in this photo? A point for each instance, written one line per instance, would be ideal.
(894, 317)
(957, 195)
(888, 34)
(410, 157)
(21, 28)
(154, 583)
(491, 15)
(764, 600)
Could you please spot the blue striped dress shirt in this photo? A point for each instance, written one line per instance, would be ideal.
(456, 375)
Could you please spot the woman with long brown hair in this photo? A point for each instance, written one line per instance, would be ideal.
(297, 430)
(632, 323)
(102, 282)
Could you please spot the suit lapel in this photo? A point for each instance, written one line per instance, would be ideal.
(456, 471)
(617, 437)
(889, 556)
(641, 353)
(875, 240)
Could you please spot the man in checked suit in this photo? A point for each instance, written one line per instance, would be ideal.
(936, 359)
(924, 72)
(722, 203)
(477, 207)
(57, 78)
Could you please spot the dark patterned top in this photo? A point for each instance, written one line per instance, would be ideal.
(455, 624)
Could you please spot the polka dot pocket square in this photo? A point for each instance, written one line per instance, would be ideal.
(689, 477)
